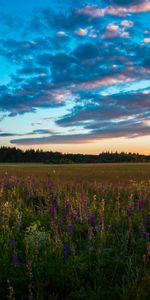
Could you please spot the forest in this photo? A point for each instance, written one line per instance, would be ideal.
(14, 155)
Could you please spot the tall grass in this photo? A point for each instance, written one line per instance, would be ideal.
(74, 239)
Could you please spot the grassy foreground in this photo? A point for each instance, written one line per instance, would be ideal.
(72, 232)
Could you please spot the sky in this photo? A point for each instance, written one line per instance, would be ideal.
(75, 75)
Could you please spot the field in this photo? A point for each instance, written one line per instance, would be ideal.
(75, 232)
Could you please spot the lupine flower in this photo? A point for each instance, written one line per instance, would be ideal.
(91, 221)
(15, 260)
(68, 207)
(71, 229)
(57, 203)
(140, 204)
(146, 235)
(52, 211)
(12, 243)
(66, 251)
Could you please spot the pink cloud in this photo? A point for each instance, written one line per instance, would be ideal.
(123, 11)
(81, 31)
(127, 23)
(110, 34)
(112, 27)
(113, 30)
(143, 7)
(92, 11)
(125, 34)
(116, 10)
(147, 40)
(108, 80)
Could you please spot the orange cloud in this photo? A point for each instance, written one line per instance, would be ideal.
(127, 23)
(81, 32)
(113, 30)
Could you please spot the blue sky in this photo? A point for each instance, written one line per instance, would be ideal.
(75, 75)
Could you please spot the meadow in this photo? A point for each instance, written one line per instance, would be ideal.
(71, 232)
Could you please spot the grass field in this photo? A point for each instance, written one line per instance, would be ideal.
(72, 232)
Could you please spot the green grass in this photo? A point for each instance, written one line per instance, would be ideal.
(71, 232)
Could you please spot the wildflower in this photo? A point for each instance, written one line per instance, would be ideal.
(146, 235)
(1, 190)
(140, 204)
(52, 211)
(71, 229)
(66, 251)
(12, 243)
(102, 206)
(15, 260)
(68, 207)
(91, 221)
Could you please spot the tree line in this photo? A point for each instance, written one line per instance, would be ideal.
(14, 155)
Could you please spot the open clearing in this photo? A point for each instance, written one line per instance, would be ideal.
(70, 232)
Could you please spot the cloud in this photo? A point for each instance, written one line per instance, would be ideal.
(99, 109)
(127, 23)
(115, 10)
(113, 30)
(106, 131)
(125, 2)
(112, 116)
(66, 21)
(147, 40)
(42, 131)
(34, 132)
(6, 134)
(77, 58)
(92, 10)
(61, 34)
(56, 139)
(81, 31)
(50, 79)
(33, 93)
(16, 51)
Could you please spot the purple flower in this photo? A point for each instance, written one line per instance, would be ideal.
(71, 229)
(91, 221)
(12, 243)
(52, 211)
(68, 207)
(15, 260)
(146, 235)
(140, 204)
(66, 251)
